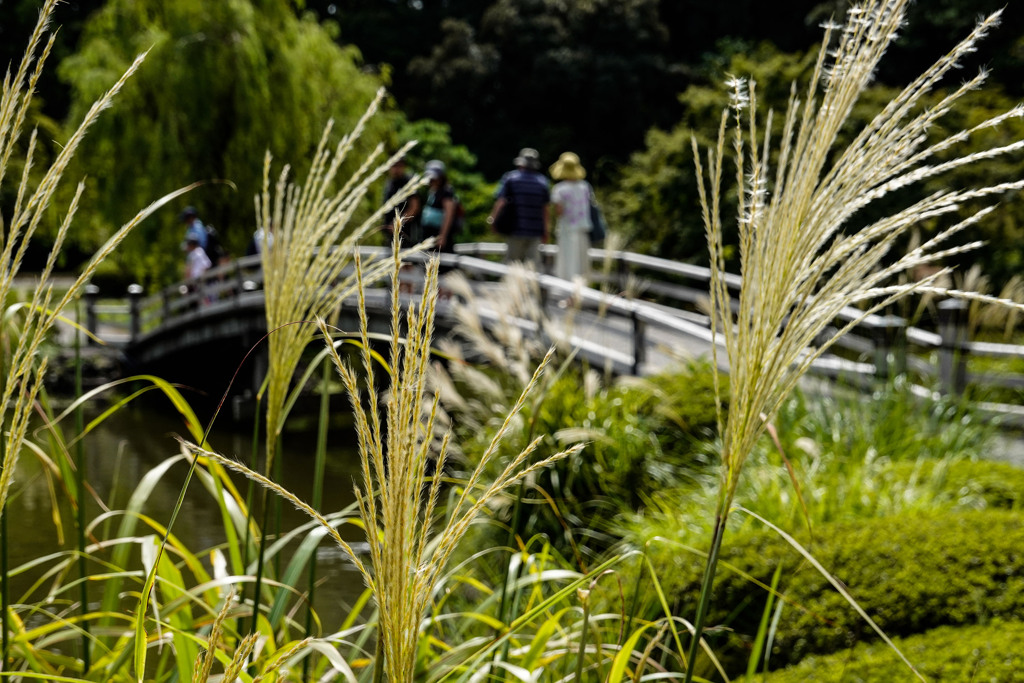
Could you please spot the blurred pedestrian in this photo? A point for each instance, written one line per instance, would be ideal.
(438, 217)
(524, 191)
(194, 228)
(408, 210)
(571, 198)
(196, 260)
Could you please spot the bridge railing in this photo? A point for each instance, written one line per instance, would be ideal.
(671, 300)
(878, 347)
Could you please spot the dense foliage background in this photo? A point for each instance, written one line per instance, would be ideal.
(624, 83)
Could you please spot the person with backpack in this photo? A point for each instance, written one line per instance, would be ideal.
(439, 215)
(205, 236)
(520, 212)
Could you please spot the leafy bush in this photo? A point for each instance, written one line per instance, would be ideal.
(971, 653)
(853, 459)
(910, 573)
(642, 436)
(965, 484)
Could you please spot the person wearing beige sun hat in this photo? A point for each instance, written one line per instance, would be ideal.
(571, 197)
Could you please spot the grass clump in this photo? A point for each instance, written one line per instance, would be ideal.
(855, 457)
(987, 652)
(850, 459)
(410, 538)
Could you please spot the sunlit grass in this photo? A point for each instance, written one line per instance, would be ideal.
(803, 258)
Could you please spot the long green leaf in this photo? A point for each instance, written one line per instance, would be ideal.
(838, 585)
(465, 669)
(762, 630)
(621, 660)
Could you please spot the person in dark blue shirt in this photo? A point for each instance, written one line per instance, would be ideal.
(528, 192)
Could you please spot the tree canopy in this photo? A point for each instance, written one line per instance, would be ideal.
(222, 83)
(623, 83)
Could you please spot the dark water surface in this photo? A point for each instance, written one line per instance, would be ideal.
(121, 451)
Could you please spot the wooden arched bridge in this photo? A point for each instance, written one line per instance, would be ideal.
(198, 334)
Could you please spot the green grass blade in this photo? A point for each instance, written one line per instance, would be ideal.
(621, 661)
(840, 588)
(762, 631)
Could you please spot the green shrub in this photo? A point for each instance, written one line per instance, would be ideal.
(910, 573)
(642, 436)
(963, 484)
(971, 653)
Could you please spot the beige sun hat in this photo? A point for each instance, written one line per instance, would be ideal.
(568, 167)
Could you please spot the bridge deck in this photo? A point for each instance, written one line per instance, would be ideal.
(626, 335)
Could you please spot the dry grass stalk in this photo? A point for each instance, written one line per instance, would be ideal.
(402, 474)
(309, 239)
(23, 373)
(801, 261)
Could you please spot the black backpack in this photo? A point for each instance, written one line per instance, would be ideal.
(214, 247)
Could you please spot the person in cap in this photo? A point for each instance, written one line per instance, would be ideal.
(194, 228)
(528, 192)
(571, 197)
(438, 215)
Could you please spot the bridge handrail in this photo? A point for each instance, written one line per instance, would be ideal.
(883, 336)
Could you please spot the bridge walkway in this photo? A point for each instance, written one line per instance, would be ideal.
(638, 334)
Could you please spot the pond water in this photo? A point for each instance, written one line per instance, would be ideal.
(123, 449)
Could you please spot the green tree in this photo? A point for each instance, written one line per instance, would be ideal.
(586, 76)
(223, 82)
(654, 199)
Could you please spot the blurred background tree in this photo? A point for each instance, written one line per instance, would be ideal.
(223, 82)
(623, 83)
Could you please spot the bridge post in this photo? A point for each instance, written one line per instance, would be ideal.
(166, 296)
(953, 351)
(239, 284)
(889, 335)
(639, 341)
(134, 299)
(621, 271)
(92, 294)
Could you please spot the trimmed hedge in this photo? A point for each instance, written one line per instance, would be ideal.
(910, 573)
(947, 654)
(968, 484)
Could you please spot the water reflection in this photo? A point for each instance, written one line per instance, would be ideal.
(119, 454)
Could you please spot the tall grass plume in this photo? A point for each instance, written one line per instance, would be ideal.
(804, 255)
(410, 539)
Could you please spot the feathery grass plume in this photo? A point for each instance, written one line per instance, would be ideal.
(309, 238)
(407, 558)
(801, 259)
(23, 372)
(398, 498)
